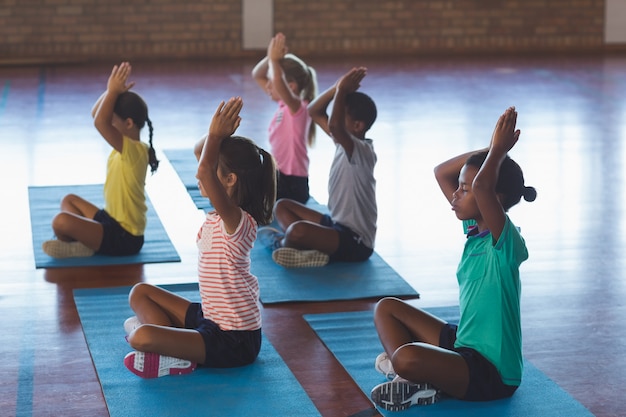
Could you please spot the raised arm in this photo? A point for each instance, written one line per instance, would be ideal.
(318, 108)
(197, 148)
(484, 186)
(97, 104)
(224, 123)
(276, 52)
(103, 114)
(347, 84)
(259, 72)
(447, 173)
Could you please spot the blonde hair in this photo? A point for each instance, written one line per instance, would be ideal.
(305, 77)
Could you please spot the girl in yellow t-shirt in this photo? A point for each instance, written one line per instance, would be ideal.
(82, 228)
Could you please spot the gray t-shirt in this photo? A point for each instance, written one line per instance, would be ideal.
(352, 190)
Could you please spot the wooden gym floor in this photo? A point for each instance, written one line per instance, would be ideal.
(572, 113)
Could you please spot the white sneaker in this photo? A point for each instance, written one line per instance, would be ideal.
(131, 324)
(294, 258)
(60, 249)
(401, 394)
(384, 366)
(153, 365)
(270, 237)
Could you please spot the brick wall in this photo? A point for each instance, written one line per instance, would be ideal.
(78, 30)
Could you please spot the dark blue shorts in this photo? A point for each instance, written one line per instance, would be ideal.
(223, 348)
(485, 383)
(292, 187)
(351, 247)
(116, 240)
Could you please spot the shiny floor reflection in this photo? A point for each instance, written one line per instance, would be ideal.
(572, 114)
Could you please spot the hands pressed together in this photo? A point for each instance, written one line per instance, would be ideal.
(226, 119)
(118, 80)
(504, 135)
(351, 81)
(277, 48)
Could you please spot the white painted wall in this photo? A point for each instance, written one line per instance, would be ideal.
(257, 23)
(615, 22)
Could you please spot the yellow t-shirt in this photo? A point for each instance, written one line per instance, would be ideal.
(124, 194)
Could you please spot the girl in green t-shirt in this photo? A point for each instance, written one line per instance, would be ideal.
(480, 359)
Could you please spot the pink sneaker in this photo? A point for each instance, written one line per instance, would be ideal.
(153, 365)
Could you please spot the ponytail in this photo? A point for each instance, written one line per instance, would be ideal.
(268, 184)
(306, 78)
(255, 189)
(130, 105)
(152, 159)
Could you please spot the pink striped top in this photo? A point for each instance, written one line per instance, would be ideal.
(229, 292)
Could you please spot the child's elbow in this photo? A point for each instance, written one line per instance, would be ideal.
(335, 127)
(481, 185)
(203, 170)
(98, 124)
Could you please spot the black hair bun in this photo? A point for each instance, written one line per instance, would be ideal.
(529, 194)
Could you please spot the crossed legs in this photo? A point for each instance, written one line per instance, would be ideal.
(75, 222)
(303, 229)
(163, 316)
(410, 336)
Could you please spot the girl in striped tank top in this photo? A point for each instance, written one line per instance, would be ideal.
(172, 335)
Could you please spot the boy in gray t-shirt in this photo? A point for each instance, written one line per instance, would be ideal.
(311, 238)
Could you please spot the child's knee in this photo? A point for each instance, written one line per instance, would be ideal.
(406, 360)
(61, 222)
(137, 293)
(141, 338)
(385, 306)
(281, 207)
(297, 233)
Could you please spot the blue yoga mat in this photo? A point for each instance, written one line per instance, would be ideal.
(352, 338)
(336, 281)
(265, 388)
(373, 278)
(45, 204)
(184, 163)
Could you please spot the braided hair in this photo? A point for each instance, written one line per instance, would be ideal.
(130, 105)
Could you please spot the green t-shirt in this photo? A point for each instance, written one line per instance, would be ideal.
(489, 299)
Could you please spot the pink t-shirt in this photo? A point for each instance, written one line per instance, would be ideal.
(288, 138)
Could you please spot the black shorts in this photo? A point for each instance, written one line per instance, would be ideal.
(351, 247)
(116, 240)
(223, 348)
(292, 187)
(485, 383)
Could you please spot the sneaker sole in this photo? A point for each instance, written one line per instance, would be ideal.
(398, 396)
(294, 258)
(148, 365)
(60, 250)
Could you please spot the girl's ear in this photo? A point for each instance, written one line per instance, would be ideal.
(293, 86)
(231, 179)
(358, 126)
(128, 123)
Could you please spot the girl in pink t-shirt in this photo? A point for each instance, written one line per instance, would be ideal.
(293, 84)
